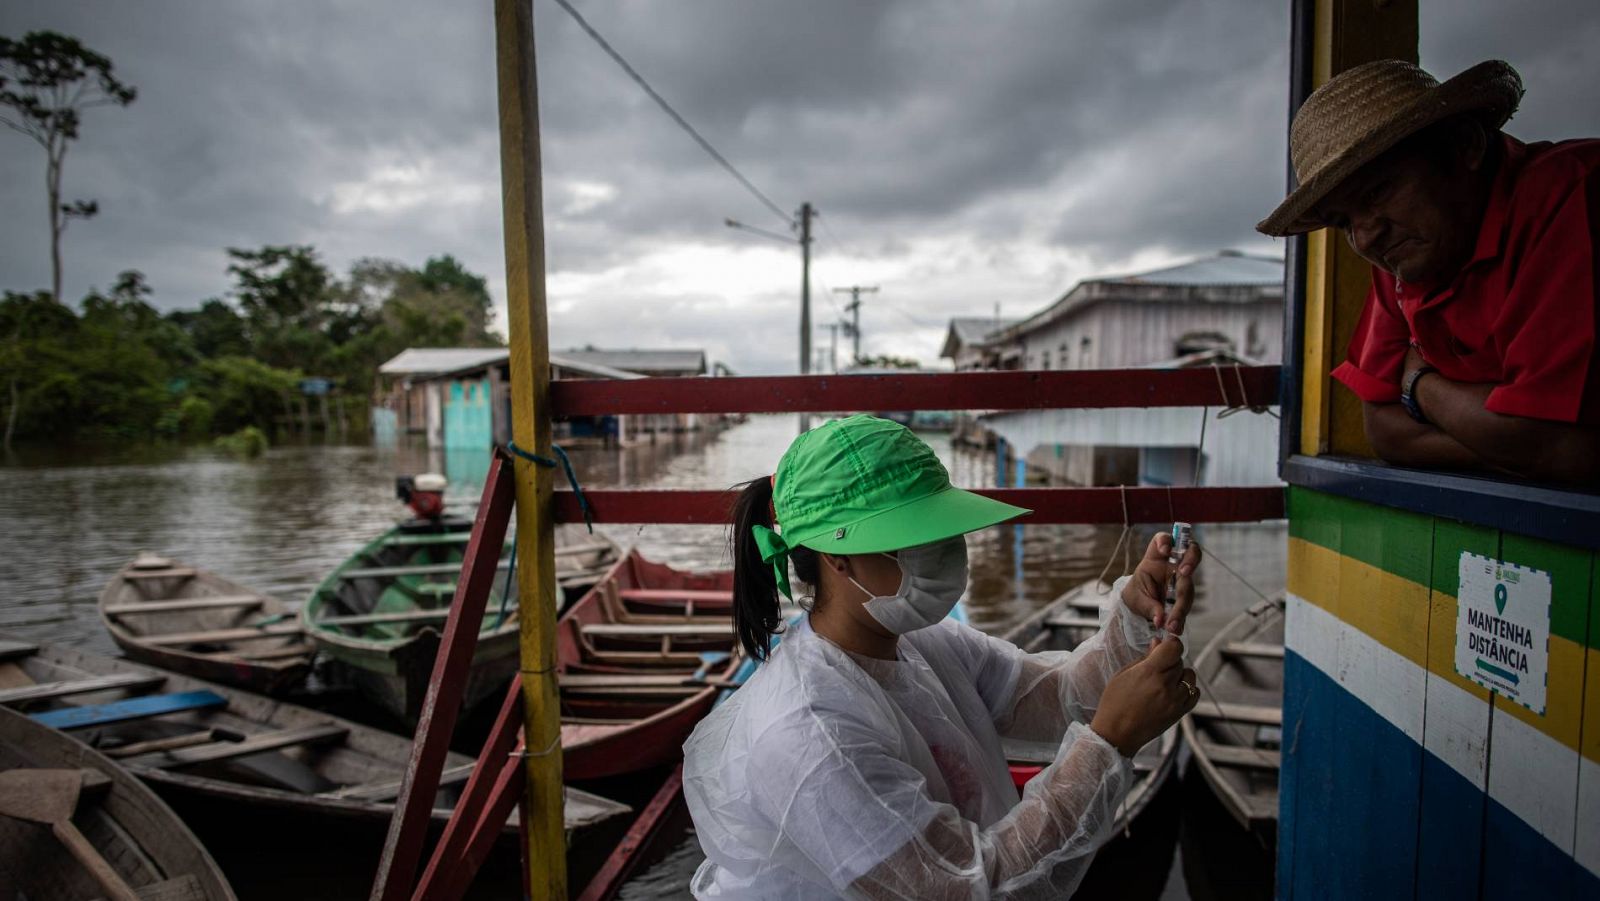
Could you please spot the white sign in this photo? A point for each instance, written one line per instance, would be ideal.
(1503, 628)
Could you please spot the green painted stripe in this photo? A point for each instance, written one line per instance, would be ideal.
(1569, 569)
(1395, 541)
(1428, 551)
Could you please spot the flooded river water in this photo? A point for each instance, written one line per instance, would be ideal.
(280, 522)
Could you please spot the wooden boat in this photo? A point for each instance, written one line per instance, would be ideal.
(190, 738)
(186, 619)
(641, 662)
(378, 616)
(662, 824)
(133, 834)
(1237, 728)
(1061, 626)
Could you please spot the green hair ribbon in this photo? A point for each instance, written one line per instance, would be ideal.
(775, 550)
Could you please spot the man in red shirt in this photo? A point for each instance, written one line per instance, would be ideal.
(1476, 348)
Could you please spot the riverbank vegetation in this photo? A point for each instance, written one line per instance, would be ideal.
(114, 369)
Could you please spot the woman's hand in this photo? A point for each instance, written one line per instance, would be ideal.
(1146, 698)
(1146, 592)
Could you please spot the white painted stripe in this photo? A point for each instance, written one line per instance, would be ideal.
(1457, 729)
(1383, 680)
(1530, 774)
(1586, 848)
(1535, 777)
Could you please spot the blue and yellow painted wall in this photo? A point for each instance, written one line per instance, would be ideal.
(1400, 778)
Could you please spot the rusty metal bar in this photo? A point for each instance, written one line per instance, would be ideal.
(408, 827)
(1022, 390)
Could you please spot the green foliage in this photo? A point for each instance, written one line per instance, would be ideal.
(246, 443)
(119, 370)
(886, 361)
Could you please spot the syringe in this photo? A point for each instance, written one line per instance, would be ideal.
(1182, 536)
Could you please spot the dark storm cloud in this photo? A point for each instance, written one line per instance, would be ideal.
(960, 142)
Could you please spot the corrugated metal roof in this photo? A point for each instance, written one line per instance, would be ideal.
(446, 360)
(593, 370)
(1227, 277)
(640, 360)
(972, 329)
(433, 360)
(1229, 267)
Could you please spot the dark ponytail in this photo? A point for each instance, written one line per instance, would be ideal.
(756, 612)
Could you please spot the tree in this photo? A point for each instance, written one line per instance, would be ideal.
(885, 361)
(47, 80)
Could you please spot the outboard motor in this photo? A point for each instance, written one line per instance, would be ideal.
(423, 493)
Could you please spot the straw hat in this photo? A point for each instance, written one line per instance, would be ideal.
(1364, 111)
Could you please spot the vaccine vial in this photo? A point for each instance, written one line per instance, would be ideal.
(1182, 536)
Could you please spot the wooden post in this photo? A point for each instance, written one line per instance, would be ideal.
(1346, 33)
(523, 206)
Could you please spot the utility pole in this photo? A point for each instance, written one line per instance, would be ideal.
(833, 344)
(854, 309)
(806, 212)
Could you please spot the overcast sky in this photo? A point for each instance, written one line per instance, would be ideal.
(962, 155)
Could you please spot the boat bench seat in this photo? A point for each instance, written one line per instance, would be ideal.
(723, 629)
(1252, 649)
(138, 708)
(632, 680)
(174, 605)
(680, 594)
(420, 569)
(46, 690)
(255, 744)
(1253, 714)
(220, 636)
(1240, 758)
(170, 572)
(374, 619)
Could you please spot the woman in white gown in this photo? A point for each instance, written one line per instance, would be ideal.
(863, 759)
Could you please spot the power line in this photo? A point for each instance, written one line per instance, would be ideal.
(682, 122)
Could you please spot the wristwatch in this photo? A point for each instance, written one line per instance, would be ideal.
(1408, 392)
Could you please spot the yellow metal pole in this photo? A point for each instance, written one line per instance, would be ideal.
(523, 203)
(1346, 33)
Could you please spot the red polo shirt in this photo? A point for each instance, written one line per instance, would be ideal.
(1522, 313)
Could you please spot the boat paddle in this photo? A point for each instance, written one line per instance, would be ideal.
(49, 797)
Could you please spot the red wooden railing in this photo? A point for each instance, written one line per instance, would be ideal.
(1083, 389)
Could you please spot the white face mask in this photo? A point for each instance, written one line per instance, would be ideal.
(932, 579)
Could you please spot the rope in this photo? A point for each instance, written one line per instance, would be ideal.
(505, 589)
(1101, 588)
(1230, 408)
(566, 465)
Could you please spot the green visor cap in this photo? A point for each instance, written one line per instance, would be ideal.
(863, 485)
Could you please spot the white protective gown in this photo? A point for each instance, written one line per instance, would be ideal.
(834, 775)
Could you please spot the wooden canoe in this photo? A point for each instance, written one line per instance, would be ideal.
(379, 615)
(635, 681)
(1236, 730)
(236, 747)
(1061, 626)
(132, 830)
(188, 620)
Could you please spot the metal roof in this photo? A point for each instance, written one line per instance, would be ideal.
(639, 360)
(436, 360)
(1230, 267)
